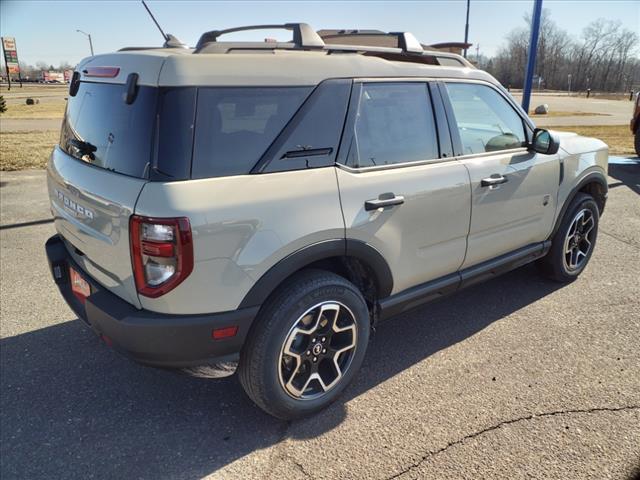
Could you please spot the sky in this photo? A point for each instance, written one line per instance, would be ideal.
(46, 30)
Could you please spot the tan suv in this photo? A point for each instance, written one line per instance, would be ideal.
(268, 203)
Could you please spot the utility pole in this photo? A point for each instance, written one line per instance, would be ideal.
(466, 29)
(478, 54)
(531, 60)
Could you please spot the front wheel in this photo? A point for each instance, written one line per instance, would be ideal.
(573, 243)
(308, 342)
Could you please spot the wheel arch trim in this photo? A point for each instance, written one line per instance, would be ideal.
(592, 177)
(310, 254)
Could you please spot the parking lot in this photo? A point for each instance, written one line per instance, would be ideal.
(516, 378)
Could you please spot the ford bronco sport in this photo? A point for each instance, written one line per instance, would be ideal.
(268, 203)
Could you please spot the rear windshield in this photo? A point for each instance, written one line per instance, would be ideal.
(101, 129)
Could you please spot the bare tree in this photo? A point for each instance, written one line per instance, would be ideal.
(603, 58)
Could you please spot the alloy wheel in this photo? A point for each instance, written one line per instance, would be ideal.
(579, 240)
(317, 351)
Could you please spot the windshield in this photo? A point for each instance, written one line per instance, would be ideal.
(101, 129)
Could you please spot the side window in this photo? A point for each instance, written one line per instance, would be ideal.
(486, 121)
(394, 124)
(234, 126)
(311, 139)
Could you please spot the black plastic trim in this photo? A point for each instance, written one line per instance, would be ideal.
(589, 178)
(316, 252)
(503, 264)
(434, 289)
(372, 257)
(418, 295)
(442, 127)
(311, 152)
(151, 338)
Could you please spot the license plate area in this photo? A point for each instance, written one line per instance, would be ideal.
(79, 286)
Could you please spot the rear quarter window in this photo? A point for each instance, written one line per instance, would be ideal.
(235, 126)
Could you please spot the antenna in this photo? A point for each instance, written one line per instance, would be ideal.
(164, 35)
(169, 40)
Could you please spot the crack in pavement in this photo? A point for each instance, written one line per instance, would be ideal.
(508, 422)
(301, 468)
(619, 239)
(280, 454)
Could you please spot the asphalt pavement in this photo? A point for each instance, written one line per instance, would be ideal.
(519, 377)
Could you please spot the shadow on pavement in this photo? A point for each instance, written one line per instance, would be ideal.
(627, 174)
(71, 407)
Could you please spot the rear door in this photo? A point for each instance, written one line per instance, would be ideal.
(400, 191)
(97, 172)
(513, 190)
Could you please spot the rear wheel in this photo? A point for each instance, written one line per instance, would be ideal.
(307, 344)
(573, 243)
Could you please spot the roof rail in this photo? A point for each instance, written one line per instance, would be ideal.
(405, 41)
(303, 35)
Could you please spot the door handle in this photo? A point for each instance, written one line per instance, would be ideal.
(384, 200)
(495, 179)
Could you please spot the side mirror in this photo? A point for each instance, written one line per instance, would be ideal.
(544, 142)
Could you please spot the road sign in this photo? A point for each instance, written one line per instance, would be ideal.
(11, 58)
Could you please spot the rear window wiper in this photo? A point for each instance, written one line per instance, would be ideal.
(81, 146)
(83, 149)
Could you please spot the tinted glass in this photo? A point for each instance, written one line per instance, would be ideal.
(236, 125)
(175, 134)
(394, 124)
(316, 128)
(101, 129)
(486, 121)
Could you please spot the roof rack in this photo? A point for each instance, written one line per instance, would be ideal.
(303, 35)
(405, 41)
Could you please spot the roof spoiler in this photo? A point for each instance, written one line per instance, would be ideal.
(304, 36)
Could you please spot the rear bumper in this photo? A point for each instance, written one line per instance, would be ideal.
(151, 338)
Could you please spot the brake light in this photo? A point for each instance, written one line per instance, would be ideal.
(161, 253)
(102, 72)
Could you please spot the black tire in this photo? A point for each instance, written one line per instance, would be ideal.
(637, 142)
(263, 358)
(555, 265)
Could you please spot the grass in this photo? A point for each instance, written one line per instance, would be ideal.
(618, 137)
(33, 89)
(29, 150)
(553, 113)
(40, 110)
(26, 150)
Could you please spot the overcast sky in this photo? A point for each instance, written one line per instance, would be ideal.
(46, 31)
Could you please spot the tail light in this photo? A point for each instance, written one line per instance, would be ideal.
(161, 252)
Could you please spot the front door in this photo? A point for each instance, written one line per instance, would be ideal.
(398, 194)
(513, 190)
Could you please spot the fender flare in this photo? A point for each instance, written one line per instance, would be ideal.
(299, 259)
(589, 178)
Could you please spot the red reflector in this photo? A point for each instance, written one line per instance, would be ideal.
(79, 286)
(157, 249)
(104, 72)
(226, 332)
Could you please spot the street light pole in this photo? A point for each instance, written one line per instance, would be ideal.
(466, 29)
(531, 60)
(89, 37)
